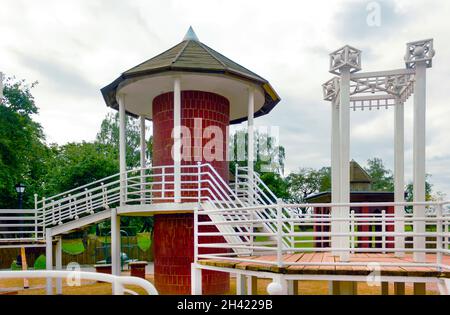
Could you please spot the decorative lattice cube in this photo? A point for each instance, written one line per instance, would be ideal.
(419, 51)
(346, 56)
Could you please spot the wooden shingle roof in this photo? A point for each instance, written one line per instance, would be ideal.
(192, 56)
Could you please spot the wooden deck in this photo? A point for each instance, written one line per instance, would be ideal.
(335, 270)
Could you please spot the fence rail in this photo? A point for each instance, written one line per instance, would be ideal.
(314, 233)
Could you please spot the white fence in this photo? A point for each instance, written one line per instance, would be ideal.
(16, 224)
(314, 232)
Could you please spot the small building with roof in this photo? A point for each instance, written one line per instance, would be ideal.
(360, 192)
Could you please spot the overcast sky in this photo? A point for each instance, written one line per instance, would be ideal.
(73, 48)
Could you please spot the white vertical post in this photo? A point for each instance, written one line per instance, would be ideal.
(335, 172)
(49, 259)
(115, 243)
(177, 138)
(143, 150)
(439, 245)
(35, 216)
(122, 148)
(399, 174)
(344, 126)
(419, 156)
(58, 263)
(383, 231)
(196, 280)
(279, 234)
(251, 141)
(352, 229)
(240, 284)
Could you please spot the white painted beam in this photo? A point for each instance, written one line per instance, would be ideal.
(49, 259)
(122, 148)
(177, 137)
(115, 243)
(419, 156)
(344, 117)
(399, 173)
(143, 150)
(335, 171)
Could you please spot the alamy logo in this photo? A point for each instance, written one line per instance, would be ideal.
(374, 14)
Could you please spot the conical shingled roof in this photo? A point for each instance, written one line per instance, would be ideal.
(193, 56)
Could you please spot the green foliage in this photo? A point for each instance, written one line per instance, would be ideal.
(269, 157)
(73, 246)
(23, 153)
(308, 181)
(15, 267)
(109, 136)
(383, 179)
(77, 164)
(40, 263)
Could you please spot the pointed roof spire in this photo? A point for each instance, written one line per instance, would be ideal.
(190, 35)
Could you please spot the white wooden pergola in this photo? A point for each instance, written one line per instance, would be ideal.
(375, 90)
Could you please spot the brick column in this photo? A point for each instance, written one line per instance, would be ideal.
(173, 233)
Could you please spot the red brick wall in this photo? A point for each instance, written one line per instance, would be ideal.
(213, 109)
(173, 233)
(174, 253)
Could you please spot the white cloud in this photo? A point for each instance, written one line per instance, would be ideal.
(75, 47)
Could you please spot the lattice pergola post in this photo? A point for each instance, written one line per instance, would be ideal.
(375, 90)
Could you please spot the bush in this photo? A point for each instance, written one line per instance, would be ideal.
(40, 263)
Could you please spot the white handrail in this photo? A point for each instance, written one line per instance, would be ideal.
(118, 281)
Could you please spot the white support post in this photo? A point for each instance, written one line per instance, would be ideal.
(196, 280)
(177, 138)
(115, 243)
(122, 148)
(58, 262)
(335, 172)
(439, 244)
(143, 150)
(344, 126)
(251, 141)
(419, 156)
(399, 174)
(279, 234)
(240, 284)
(49, 259)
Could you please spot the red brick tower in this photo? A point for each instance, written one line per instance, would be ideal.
(192, 87)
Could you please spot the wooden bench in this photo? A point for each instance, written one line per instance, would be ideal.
(138, 268)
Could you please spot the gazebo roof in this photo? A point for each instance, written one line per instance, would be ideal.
(192, 56)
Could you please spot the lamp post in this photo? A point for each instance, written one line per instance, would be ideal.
(20, 189)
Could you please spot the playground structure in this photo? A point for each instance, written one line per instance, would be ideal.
(207, 228)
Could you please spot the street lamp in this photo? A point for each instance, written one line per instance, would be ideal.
(20, 188)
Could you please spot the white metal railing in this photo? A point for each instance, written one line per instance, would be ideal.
(253, 191)
(200, 183)
(118, 282)
(23, 224)
(364, 233)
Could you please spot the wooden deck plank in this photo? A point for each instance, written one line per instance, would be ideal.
(308, 257)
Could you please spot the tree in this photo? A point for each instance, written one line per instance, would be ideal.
(382, 178)
(269, 157)
(23, 153)
(78, 164)
(109, 135)
(308, 181)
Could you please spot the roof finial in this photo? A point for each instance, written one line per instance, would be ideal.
(190, 35)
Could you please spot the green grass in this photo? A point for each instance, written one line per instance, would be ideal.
(73, 247)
